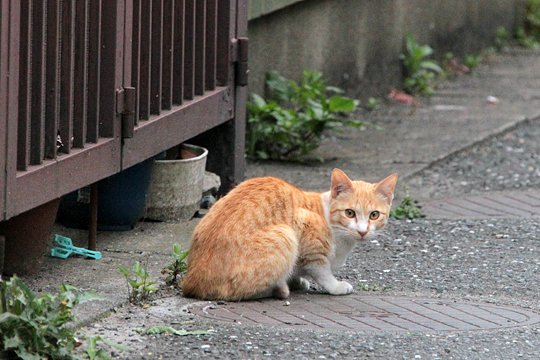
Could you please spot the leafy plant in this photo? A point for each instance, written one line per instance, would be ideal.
(502, 37)
(36, 327)
(419, 70)
(290, 122)
(525, 40)
(96, 352)
(472, 61)
(178, 266)
(139, 285)
(532, 19)
(407, 209)
(372, 104)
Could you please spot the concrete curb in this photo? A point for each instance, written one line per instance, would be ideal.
(502, 130)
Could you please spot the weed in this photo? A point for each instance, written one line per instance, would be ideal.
(37, 327)
(419, 70)
(524, 39)
(177, 267)
(472, 61)
(502, 37)
(139, 285)
(290, 122)
(95, 351)
(372, 104)
(407, 209)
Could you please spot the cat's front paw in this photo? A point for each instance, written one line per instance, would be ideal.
(303, 284)
(342, 288)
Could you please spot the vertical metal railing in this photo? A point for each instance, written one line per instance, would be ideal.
(61, 98)
(175, 57)
(63, 66)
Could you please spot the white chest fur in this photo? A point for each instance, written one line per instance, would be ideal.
(343, 245)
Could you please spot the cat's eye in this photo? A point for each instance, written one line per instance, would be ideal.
(374, 215)
(350, 213)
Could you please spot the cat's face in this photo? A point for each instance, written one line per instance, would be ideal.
(359, 208)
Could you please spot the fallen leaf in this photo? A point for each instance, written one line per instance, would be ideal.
(402, 97)
(155, 330)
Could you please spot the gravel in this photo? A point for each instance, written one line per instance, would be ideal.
(508, 161)
(495, 261)
(488, 261)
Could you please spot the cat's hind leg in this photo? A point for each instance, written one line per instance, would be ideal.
(269, 263)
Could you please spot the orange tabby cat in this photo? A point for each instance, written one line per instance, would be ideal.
(267, 235)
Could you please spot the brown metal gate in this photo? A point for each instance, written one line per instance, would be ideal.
(91, 87)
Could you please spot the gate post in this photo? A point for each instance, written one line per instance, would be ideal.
(226, 143)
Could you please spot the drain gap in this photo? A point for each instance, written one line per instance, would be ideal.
(472, 314)
(504, 320)
(375, 319)
(326, 318)
(490, 206)
(454, 317)
(432, 312)
(273, 321)
(523, 199)
(508, 204)
(294, 315)
(469, 209)
(398, 316)
(240, 315)
(352, 317)
(494, 310)
(520, 205)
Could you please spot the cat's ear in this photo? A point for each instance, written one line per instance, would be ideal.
(386, 187)
(340, 183)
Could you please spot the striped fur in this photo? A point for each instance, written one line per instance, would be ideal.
(267, 233)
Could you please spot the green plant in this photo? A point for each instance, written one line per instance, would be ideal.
(372, 104)
(472, 61)
(407, 209)
(502, 37)
(528, 35)
(178, 266)
(419, 70)
(37, 327)
(524, 39)
(290, 122)
(532, 19)
(95, 351)
(139, 285)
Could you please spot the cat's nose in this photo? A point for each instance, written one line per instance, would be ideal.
(362, 233)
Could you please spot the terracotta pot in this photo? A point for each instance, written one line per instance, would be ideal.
(27, 238)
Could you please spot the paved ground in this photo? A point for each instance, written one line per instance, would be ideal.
(455, 146)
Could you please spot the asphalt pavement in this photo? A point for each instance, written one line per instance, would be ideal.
(455, 145)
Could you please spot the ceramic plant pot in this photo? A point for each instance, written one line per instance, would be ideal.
(121, 200)
(176, 185)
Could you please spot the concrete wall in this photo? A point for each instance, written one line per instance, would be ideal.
(356, 43)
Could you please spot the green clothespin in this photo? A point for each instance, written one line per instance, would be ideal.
(64, 248)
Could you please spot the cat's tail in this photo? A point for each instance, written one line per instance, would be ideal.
(257, 267)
